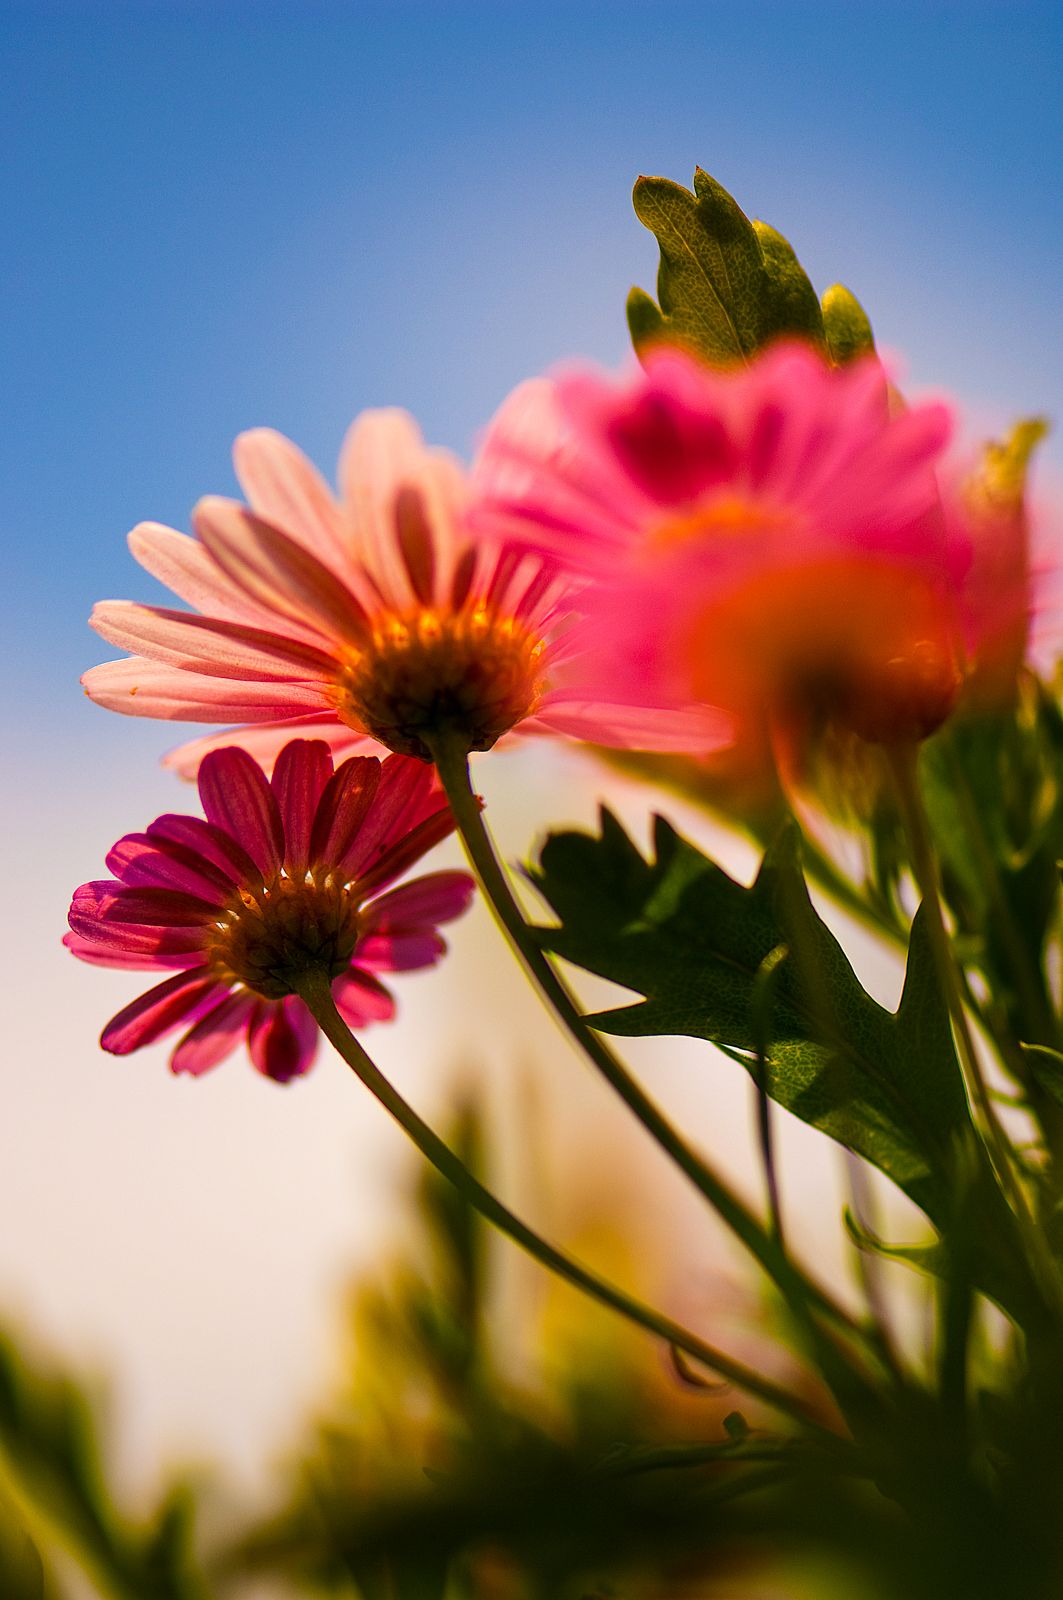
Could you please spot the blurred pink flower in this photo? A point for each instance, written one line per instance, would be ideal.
(371, 618)
(280, 877)
(768, 540)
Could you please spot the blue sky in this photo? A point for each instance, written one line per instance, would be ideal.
(236, 214)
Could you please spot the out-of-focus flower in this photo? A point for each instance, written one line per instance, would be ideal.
(372, 618)
(768, 540)
(282, 877)
(997, 572)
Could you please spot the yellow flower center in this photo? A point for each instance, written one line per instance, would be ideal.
(264, 941)
(465, 678)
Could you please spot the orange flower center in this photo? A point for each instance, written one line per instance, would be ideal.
(868, 645)
(290, 928)
(466, 678)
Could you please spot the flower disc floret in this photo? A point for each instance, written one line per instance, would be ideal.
(266, 942)
(280, 880)
(464, 679)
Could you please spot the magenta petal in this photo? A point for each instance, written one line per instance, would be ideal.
(300, 776)
(142, 862)
(282, 1039)
(400, 952)
(237, 798)
(361, 999)
(408, 793)
(157, 1012)
(113, 902)
(214, 1036)
(101, 955)
(213, 844)
(406, 851)
(346, 803)
(437, 897)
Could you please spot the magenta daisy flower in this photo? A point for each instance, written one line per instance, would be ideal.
(370, 619)
(280, 878)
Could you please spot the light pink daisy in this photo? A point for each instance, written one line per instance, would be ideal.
(283, 876)
(768, 540)
(374, 618)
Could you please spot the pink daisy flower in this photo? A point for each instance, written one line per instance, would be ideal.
(769, 540)
(370, 619)
(281, 877)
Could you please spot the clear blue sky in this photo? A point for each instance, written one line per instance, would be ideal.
(220, 215)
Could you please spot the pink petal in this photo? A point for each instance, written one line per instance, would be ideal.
(157, 1012)
(282, 1039)
(266, 740)
(160, 864)
(342, 811)
(100, 955)
(237, 798)
(279, 574)
(303, 770)
(400, 952)
(436, 897)
(631, 727)
(140, 688)
(186, 566)
(288, 491)
(361, 999)
(214, 1036)
(383, 451)
(202, 644)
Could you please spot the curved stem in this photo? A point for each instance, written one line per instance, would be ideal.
(316, 990)
(801, 1293)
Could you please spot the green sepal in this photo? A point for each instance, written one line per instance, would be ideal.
(791, 307)
(846, 325)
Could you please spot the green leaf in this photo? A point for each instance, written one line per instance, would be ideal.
(846, 325)
(690, 939)
(726, 286)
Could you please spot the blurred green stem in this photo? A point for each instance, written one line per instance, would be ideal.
(316, 990)
(801, 1293)
(903, 761)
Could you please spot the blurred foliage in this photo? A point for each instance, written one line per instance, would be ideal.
(56, 1510)
(438, 1473)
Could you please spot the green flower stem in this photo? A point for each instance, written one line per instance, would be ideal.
(316, 990)
(903, 762)
(800, 1292)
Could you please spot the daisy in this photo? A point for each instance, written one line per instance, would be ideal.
(370, 619)
(282, 877)
(767, 540)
